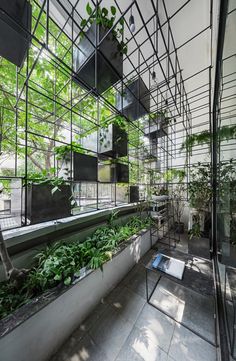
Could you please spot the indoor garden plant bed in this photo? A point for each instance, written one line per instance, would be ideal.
(136, 100)
(36, 326)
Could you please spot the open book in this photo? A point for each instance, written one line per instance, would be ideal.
(169, 265)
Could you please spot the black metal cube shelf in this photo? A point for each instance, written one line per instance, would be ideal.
(133, 194)
(113, 173)
(15, 23)
(109, 60)
(113, 141)
(136, 100)
(43, 206)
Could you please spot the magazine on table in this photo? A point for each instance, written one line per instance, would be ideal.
(169, 265)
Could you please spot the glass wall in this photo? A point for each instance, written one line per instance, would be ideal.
(226, 190)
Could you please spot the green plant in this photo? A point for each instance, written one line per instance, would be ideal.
(174, 174)
(159, 191)
(61, 263)
(63, 151)
(225, 133)
(44, 178)
(195, 231)
(199, 187)
(102, 17)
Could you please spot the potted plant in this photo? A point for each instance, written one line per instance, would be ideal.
(47, 198)
(158, 125)
(113, 141)
(84, 166)
(134, 102)
(15, 28)
(110, 50)
(159, 193)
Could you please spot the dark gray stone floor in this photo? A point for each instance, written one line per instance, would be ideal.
(124, 327)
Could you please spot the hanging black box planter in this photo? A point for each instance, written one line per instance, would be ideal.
(113, 173)
(109, 60)
(133, 194)
(85, 167)
(136, 100)
(113, 141)
(43, 206)
(122, 173)
(15, 16)
(157, 128)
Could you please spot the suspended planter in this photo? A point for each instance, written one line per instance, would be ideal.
(43, 204)
(76, 165)
(113, 173)
(133, 194)
(135, 101)
(157, 126)
(15, 26)
(105, 65)
(113, 141)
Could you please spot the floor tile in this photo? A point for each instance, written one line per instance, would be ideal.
(138, 347)
(156, 327)
(186, 346)
(85, 350)
(110, 332)
(186, 306)
(128, 304)
(165, 297)
(137, 281)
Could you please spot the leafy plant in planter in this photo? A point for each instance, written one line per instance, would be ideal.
(113, 141)
(60, 264)
(47, 197)
(158, 124)
(102, 17)
(84, 165)
(134, 102)
(110, 51)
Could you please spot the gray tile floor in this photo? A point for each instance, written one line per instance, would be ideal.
(124, 327)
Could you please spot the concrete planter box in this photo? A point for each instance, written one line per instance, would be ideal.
(109, 60)
(15, 21)
(55, 316)
(136, 100)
